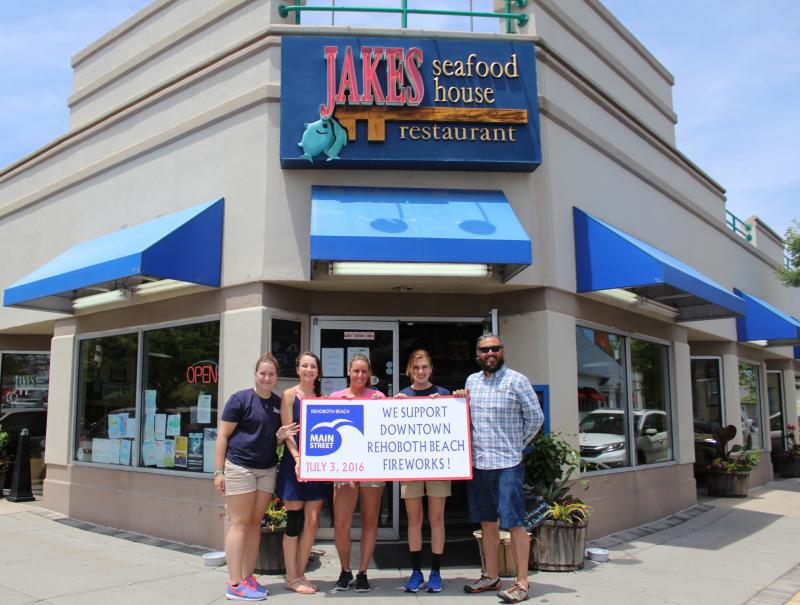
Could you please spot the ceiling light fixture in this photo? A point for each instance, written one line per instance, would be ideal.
(104, 298)
(410, 269)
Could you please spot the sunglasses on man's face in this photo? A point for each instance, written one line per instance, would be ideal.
(494, 349)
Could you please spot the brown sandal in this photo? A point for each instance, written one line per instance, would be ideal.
(297, 585)
(309, 584)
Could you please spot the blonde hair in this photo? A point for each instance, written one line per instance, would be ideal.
(419, 353)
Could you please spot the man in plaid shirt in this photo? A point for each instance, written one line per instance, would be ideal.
(504, 415)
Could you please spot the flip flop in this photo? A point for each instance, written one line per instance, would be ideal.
(297, 585)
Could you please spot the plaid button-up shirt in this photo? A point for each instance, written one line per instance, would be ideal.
(504, 415)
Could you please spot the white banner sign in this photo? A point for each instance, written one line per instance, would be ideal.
(385, 439)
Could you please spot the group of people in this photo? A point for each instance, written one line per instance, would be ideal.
(504, 416)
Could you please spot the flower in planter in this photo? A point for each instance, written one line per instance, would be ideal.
(792, 447)
(734, 459)
(275, 514)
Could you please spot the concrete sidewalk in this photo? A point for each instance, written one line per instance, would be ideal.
(725, 552)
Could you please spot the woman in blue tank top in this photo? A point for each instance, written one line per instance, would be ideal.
(303, 499)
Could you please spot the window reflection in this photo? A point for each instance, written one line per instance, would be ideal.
(752, 438)
(601, 399)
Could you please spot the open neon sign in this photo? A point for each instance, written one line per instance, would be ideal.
(202, 372)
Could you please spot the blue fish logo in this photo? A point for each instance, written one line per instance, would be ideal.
(325, 135)
(324, 422)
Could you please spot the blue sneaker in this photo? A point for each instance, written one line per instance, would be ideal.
(254, 584)
(434, 582)
(415, 582)
(242, 592)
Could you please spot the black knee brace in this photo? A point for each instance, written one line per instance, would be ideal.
(294, 522)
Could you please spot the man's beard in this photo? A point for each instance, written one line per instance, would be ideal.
(492, 370)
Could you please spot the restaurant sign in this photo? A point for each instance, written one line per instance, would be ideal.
(408, 103)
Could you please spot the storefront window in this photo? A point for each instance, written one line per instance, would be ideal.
(107, 399)
(25, 379)
(286, 345)
(614, 424)
(651, 401)
(749, 389)
(603, 428)
(172, 424)
(179, 396)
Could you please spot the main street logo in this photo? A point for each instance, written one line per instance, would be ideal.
(444, 103)
(324, 423)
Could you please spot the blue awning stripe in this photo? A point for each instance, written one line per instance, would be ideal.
(607, 258)
(415, 225)
(766, 322)
(185, 245)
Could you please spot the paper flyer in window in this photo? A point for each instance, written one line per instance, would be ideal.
(150, 401)
(169, 453)
(194, 459)
(353, 351)
(330, 385)
(209, 445)
(150, 427)
(125, 452)
(332, 361)
(113, 426)
(204, 408)
(149, 452)
(101, 450)
(160, 453)
(161, 427)
(181, 451)
(114, 451)
(173, 425)
(130, 428)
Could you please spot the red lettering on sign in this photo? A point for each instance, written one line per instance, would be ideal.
(404, 84)
(204, 373)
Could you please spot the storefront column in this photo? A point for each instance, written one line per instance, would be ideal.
(683, 417)
(730, 381)
(244, 336)
(60, 416)
(541, 345)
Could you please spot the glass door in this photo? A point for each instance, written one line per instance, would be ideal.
(336, 341)
(777, 427)
(708, 405)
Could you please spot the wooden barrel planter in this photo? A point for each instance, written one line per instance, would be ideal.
(505, 558)
(558, 547)
(270, 551)
(728, 485)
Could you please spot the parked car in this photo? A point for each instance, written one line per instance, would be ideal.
(13, 420)
(602, 438)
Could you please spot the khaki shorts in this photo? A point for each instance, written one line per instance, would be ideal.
(359, 483)
(417, 489)
(243, 480)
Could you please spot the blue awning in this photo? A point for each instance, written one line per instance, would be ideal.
(185, 246)
(762, 321)
(607, 258)
(417, 226)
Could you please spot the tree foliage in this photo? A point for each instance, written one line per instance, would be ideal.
(790, 276)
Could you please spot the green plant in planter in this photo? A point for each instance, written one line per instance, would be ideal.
(550, 463)
(734, 459)
(4, 459)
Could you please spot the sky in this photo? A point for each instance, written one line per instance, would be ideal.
(736, 65)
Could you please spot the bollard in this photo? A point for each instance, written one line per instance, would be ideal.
(21, 481)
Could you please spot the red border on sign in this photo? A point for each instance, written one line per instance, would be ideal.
(301, 447)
